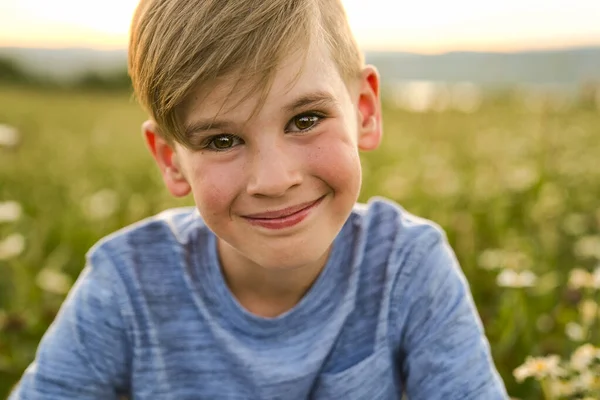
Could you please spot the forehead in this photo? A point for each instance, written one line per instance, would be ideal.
(299, 74)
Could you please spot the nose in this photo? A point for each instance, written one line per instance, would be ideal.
(273, 171)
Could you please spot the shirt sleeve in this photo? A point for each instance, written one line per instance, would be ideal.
(83, 355)
(443, 352)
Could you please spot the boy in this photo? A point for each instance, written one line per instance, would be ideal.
(276, 285)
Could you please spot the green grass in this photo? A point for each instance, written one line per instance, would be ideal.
(503, 177)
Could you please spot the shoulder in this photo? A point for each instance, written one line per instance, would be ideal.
(173, 227)
(146, 261)
(393, 249)
(411, 254)
(392, 214)
(408, 236)
(418, 253)
(149, 254)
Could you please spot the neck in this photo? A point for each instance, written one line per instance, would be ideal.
(267, 292)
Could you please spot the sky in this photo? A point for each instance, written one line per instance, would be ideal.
(425, 26)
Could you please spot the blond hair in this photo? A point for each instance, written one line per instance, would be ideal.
(180, 46)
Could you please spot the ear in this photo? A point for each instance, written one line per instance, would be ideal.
(167, 160)
(369, 110)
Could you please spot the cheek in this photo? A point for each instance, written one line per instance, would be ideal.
(214, 186)
(335, 159)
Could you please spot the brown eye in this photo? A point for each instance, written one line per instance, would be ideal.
(222, 142)
(304, 122)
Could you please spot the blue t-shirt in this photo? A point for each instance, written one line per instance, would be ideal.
(151, 317)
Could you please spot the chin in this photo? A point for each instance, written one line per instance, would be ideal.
(294, 257)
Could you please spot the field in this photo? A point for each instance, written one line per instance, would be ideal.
(513, 178)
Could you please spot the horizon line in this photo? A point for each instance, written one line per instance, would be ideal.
(365, 49)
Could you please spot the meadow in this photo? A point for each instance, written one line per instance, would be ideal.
(513, 177)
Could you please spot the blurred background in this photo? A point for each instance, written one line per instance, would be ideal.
(492, 129)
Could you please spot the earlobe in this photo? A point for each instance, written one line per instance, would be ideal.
(369, 110)
(167, 160)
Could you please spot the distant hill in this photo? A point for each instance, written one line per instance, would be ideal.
(555, 67)
(66, 64)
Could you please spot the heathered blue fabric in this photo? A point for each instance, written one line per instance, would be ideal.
(151, 317)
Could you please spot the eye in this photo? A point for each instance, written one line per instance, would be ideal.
(304, 122)
(222, 142)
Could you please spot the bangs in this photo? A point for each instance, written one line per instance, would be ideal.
(182, 48)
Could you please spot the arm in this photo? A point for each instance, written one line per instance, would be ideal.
(83, 354)
(443, 351)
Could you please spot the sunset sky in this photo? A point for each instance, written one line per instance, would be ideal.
(426, 26)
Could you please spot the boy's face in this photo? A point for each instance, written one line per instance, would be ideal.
(276, 188)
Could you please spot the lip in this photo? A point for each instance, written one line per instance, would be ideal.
(285, 217)
(284, 212)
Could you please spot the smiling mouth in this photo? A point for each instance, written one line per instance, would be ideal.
(284, 218)
(285, 212)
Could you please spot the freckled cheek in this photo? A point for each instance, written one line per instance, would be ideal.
(336, 162)
(214, 188)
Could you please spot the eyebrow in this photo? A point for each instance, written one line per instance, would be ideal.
(314, 99)
(205, 125)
